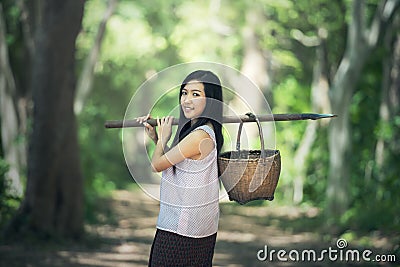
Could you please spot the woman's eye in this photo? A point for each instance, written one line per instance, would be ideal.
(184, 93)
(196, 94)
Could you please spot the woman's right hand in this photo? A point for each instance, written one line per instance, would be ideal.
(150, 130)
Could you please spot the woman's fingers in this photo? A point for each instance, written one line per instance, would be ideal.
(143, 119)
(165, 120)
(149, 129)
(140, 119)
(148, 126)
(160, 121)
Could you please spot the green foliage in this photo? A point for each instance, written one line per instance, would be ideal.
(13, 31)
(9, 203)
(289, 97)
(318, 163)
(103, 163)
(374, 189)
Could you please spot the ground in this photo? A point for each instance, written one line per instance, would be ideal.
(127, 226)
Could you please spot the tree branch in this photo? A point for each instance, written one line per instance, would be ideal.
(86, 78)
(357, 26)
(26, 26)
(308, 41)
(383, 16)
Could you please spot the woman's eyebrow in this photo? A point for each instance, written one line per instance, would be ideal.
(192, 90)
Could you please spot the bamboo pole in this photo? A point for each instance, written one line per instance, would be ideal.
(229, 119)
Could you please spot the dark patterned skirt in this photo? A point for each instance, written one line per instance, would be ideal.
(170, 249)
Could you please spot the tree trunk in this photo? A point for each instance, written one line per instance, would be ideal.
(390, 97)
(339, 132)
(255, 66)
(54, 197)
(360, 42)
(85, 80)
(299, 160)
(8, 115)
(320, 104)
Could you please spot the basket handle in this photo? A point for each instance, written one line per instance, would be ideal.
(251, 115)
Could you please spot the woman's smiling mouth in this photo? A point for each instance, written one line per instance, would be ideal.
(188, 108)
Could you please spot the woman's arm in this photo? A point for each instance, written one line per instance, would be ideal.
(194, 144)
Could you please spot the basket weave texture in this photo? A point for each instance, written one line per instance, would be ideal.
(250, 174)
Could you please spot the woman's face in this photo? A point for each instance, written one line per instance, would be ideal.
(193, 99)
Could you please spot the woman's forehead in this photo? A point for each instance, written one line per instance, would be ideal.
(194, 85)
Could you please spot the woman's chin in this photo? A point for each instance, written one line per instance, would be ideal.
(188, 115)
(191, 117)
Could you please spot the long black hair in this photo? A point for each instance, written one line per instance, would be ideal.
(212, 112)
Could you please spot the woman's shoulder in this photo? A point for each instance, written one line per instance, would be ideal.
(205, 131)
(200, 132)
(207, 128)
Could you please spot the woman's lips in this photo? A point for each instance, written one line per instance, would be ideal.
(188, 108)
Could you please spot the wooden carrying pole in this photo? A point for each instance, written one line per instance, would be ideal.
(230, 119)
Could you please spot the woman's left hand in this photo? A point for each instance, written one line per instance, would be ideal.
(164, 129)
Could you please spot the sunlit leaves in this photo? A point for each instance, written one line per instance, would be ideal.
(130, 40)
(204, 34)
(287, 58)
(291, 97)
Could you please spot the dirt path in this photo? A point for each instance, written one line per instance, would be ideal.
(128, 225)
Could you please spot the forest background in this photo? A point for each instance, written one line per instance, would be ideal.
(68, 66)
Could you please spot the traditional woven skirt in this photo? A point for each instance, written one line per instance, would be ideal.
(170, 249)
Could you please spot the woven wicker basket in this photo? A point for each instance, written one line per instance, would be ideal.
(250, 174)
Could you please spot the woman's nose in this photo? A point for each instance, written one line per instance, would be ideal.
(187, 99)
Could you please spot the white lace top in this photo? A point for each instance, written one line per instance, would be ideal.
(189, 197)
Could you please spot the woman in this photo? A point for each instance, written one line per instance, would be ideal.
(189, 210)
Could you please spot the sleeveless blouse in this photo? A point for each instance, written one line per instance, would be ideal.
(189, 198)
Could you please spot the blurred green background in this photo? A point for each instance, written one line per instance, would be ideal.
(340, 57)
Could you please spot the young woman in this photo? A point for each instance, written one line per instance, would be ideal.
(189, 209)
